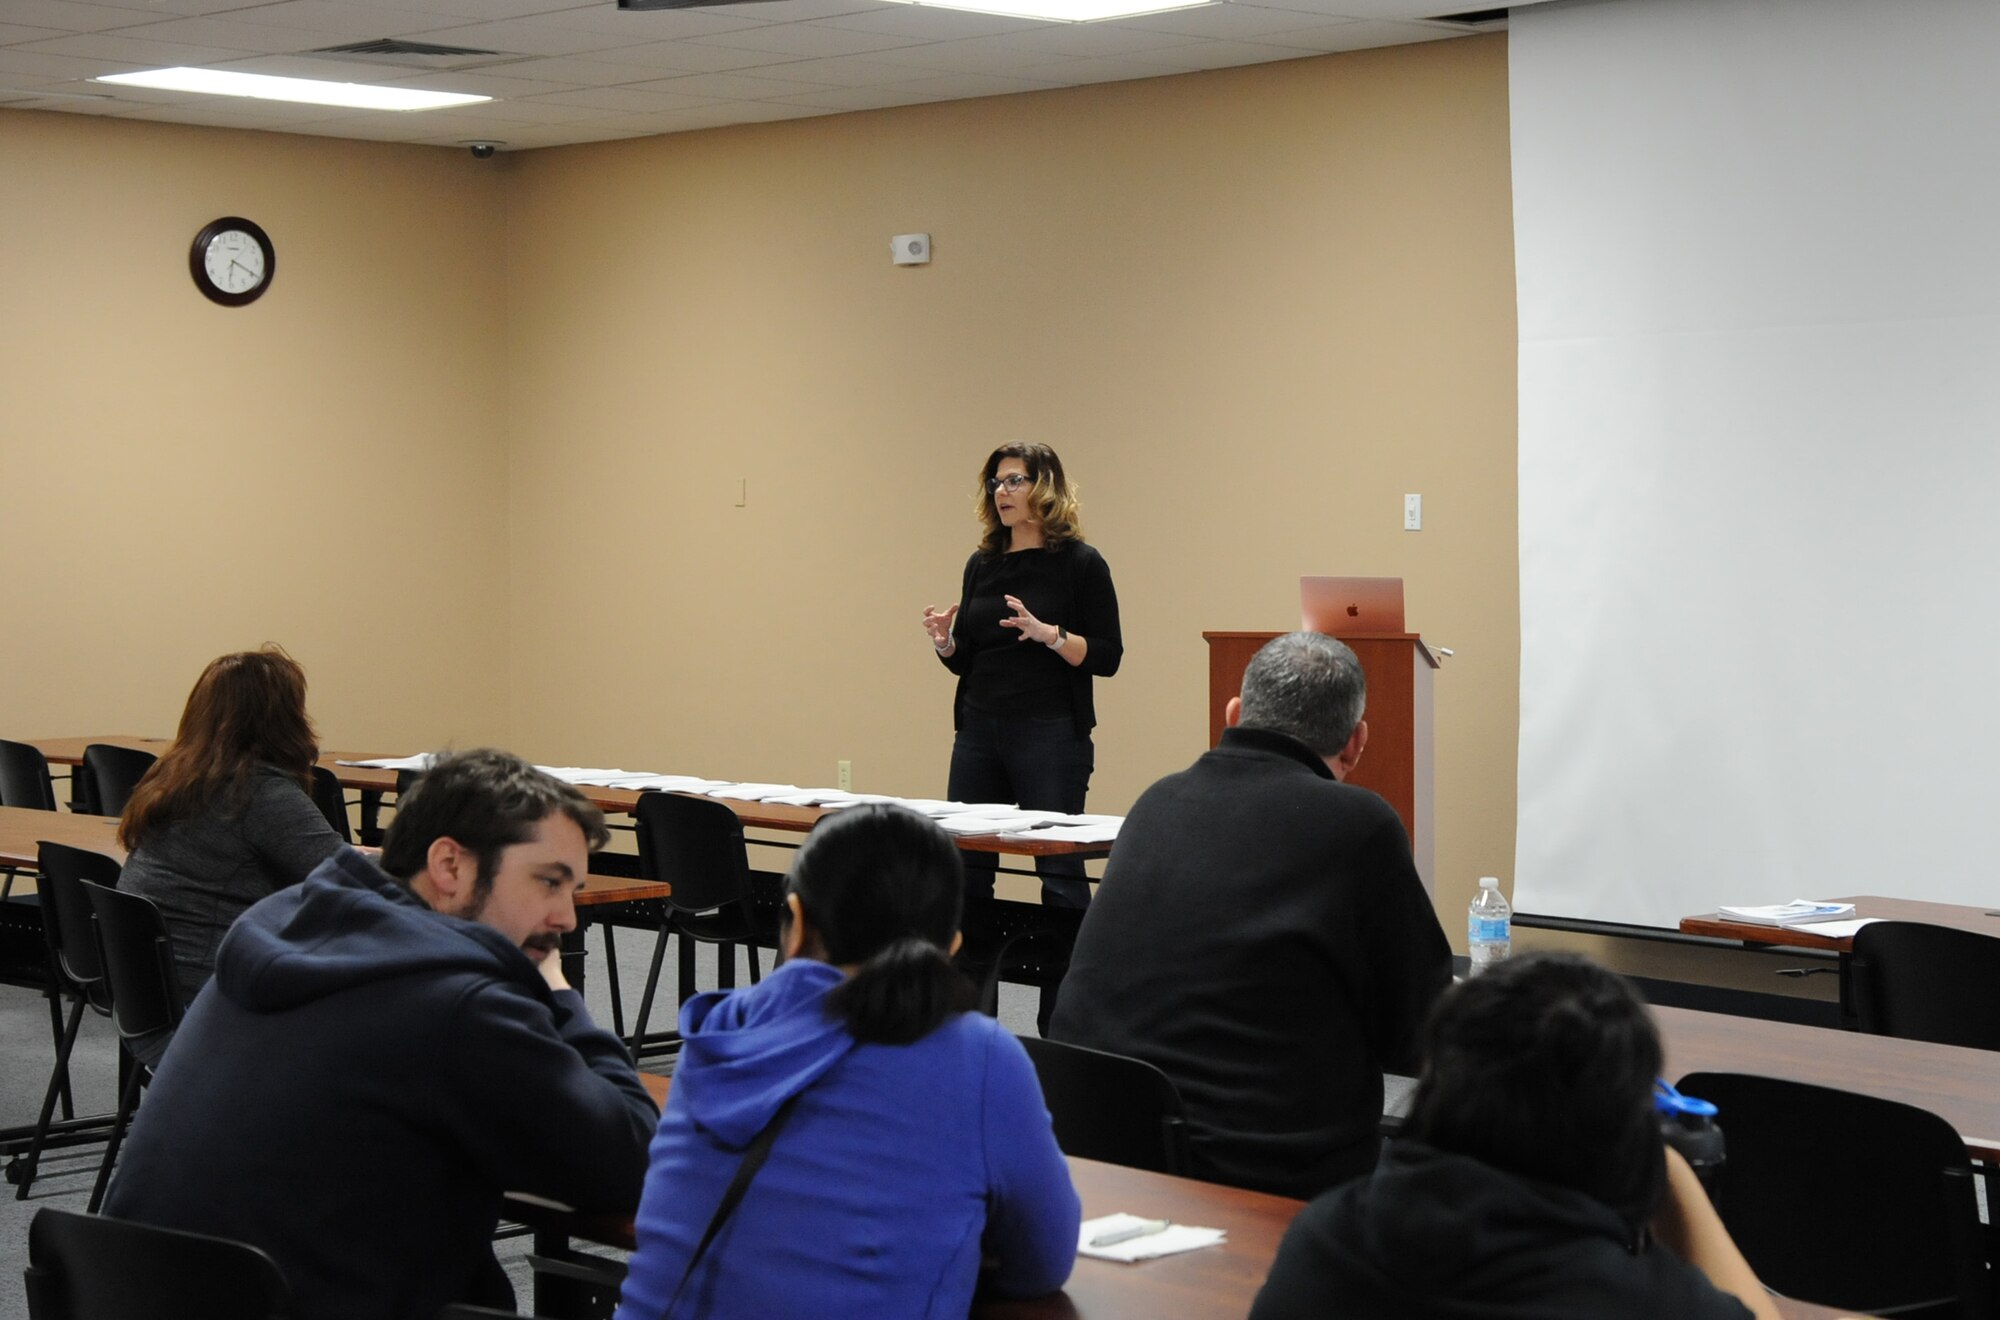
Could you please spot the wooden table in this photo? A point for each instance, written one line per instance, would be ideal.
(1215, 1283)
(616, 801)
(1978, 920)
(1961, 1086)
(22, 828)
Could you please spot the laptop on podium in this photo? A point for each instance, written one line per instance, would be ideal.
(1352, 606)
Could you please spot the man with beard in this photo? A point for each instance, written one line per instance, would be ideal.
(384, 1050)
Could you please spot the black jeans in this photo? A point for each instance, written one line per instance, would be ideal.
(1035, 763)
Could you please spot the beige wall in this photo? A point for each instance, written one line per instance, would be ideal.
(323, 468)
(1251, 308)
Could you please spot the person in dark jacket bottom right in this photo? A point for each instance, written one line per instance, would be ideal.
(1529, 1181)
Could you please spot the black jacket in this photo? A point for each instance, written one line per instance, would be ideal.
(1436, 1236)
(358, 1085)
(1262, 937)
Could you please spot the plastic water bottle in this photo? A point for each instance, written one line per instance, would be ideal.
(1489, 935)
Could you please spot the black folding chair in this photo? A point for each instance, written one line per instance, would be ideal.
(331, 800)
(24, 777)
(24, 782)
(108, 776)
(85, 1267)
(696, 845)
(139, 964)
(1924, 982)
(1110, 1107)
(1847, 1200)
(77, 972)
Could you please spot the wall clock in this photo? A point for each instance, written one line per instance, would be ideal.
(232, 261)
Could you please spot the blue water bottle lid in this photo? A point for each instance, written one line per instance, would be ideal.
(1666, 1100)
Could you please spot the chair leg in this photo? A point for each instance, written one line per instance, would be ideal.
(756, 973)
(58, 1082)
(611, 974)
(128, 1099)
(638, 1036)
(725, 966)
(56, 1036)
(687, 967)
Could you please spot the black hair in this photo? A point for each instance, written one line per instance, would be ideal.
(1543, 1065)
(882, 887)
(485, 800)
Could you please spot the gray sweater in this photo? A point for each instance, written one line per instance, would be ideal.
(205, 870)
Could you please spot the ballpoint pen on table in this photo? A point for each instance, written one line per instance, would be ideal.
(1144, 1229)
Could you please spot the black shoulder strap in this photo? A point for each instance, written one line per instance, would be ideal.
(732, 1196)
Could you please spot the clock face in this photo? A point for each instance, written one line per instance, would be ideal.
(232, 261)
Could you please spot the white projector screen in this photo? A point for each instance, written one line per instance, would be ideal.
(1758, 254)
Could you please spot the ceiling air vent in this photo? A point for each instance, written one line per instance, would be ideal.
(411, 54)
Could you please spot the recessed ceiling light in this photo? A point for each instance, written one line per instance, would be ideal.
(1065, 11)
(311, 91)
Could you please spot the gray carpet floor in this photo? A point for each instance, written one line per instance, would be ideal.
(27, 1054)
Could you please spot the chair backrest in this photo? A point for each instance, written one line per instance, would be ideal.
(62, 872)
(1927, 983)
(24, 777)
(138, 961)
(1110, 1107)
(87, 1267)
(331, 800)
(1858, 1203)
(111, 773)
(696, 845)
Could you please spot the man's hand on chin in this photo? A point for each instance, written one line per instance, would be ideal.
(551, 966)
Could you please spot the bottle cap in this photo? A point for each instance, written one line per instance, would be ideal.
(1489, 882)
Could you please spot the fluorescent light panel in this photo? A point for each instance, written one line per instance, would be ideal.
(1065, 11)
(309, 91)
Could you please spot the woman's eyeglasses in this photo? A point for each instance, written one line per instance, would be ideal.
(1013, 481)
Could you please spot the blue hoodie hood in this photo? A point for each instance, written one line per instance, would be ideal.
(745, 1052)
(346, 924)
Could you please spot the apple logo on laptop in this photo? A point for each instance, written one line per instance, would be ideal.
(1353, 611)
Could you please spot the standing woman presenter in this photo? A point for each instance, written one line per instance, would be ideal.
(1037, 619)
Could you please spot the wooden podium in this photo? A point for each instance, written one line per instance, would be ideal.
(1398, 762)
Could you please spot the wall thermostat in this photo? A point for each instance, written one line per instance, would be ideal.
(911, 249)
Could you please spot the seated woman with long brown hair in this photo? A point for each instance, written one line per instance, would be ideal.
(227, 815)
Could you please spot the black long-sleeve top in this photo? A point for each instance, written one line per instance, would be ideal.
(1002, 672)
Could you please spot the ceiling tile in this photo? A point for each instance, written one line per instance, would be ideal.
(963, 85)
(977, 55)
(668, 57)
(856, 98)
(127, 52)
(934, 24)
(732, 86)
(599, 101)
(63, 16)
(229, 34)
(848, 71)
(343, 22)
(1216, 55)
(807, 39)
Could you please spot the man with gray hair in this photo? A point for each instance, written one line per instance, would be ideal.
(1262, 937)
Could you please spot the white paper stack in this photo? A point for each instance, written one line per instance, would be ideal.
(1169, 1241)
(421, 761)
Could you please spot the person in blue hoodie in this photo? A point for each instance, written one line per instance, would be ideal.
(911, 1142)
(384, 1051)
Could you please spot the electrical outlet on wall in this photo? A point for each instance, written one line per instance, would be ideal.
(846, 784)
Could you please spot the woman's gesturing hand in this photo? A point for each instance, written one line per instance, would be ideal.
(938, 624)
(1031, 627)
